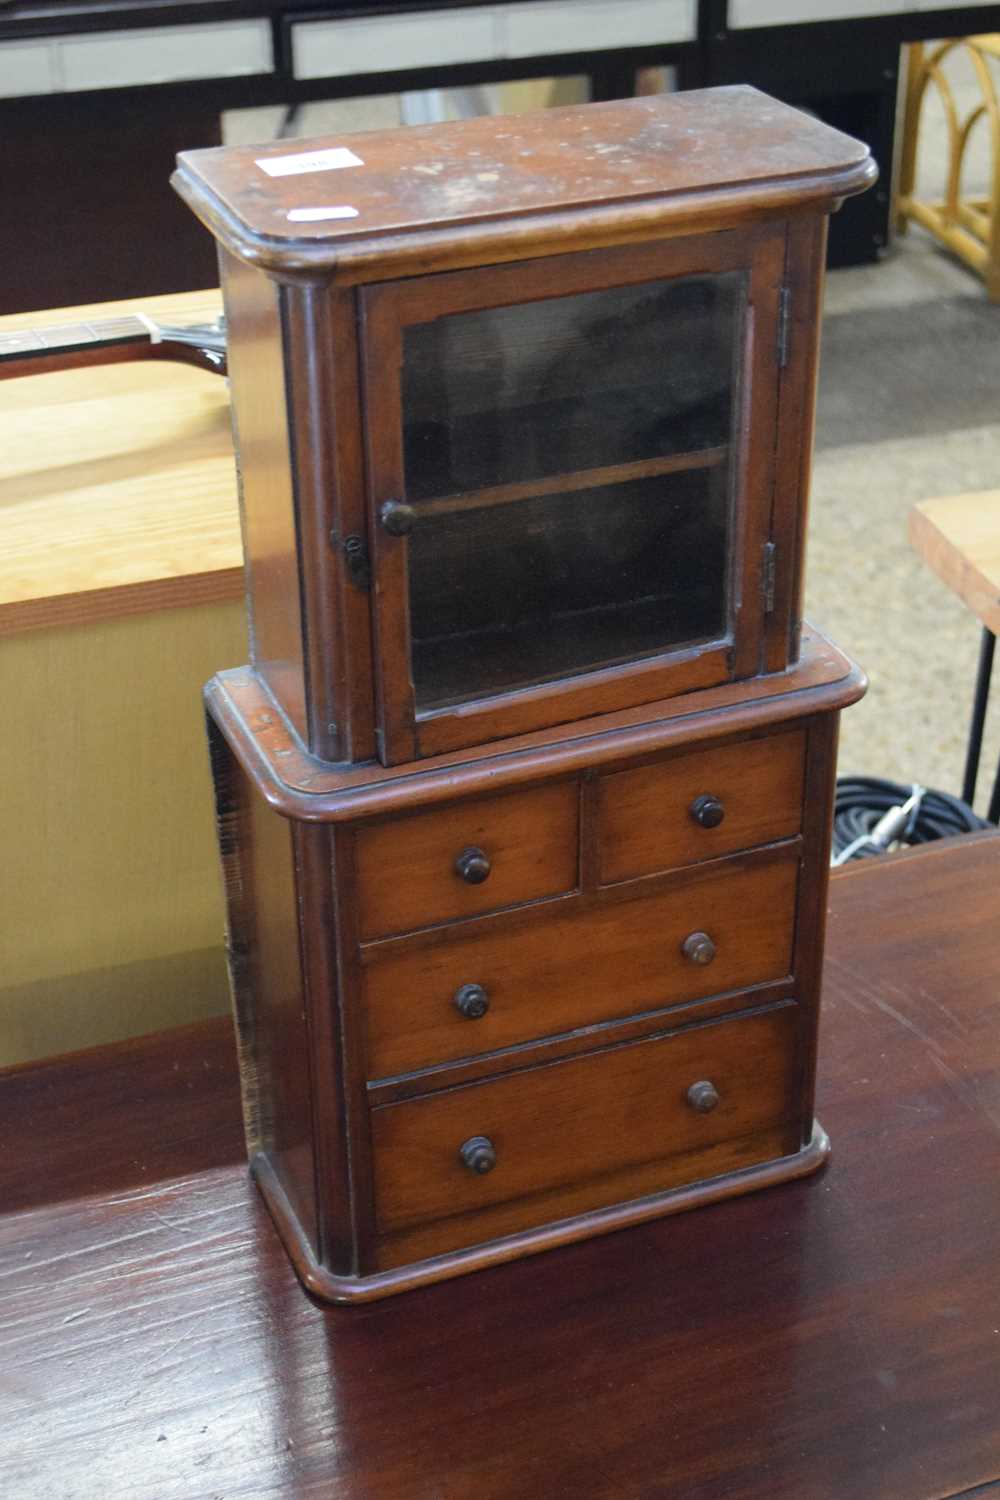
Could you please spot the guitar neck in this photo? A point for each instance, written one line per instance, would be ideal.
(72, 338)
(65, 346)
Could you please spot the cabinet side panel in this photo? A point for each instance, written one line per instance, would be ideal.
(810, 933)
(326, 445)
(267, 984)
(805, 268)
(267, 504)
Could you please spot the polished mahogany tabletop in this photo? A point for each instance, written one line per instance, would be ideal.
(836, 1338)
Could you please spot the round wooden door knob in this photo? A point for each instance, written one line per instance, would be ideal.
(708, 811)
(698, 948)
(478, 1154)
(703, 1096)
(471, 1001)
(473, 865)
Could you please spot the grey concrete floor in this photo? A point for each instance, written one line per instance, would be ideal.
(907, 410)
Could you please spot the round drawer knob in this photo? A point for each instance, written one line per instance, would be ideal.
(698, 948)
(703, 1096)
(473, 866)
(707, 810)
(398, 518)
(478, 1154)
(471, 1001)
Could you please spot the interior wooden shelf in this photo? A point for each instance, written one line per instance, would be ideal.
(571, 483)
(449, 454)
(562, 644)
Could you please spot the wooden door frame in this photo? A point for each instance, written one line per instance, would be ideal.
(403, 733)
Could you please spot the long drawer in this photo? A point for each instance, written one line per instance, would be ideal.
(602, 1128)
(464, 995)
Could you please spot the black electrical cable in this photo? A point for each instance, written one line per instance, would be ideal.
(862, 800)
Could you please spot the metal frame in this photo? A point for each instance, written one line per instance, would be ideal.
(980, 699)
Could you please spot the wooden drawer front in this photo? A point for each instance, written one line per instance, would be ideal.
(407, 876)
(563, 971)
(646, 818)
(584, 1123)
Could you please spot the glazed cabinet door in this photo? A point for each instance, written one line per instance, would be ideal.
(570, 471)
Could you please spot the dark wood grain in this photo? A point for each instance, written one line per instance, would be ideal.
(804, 274)
(178, 1090)
(647, 821)
(810, 930)
(490, 197)
(269, 985)
(832, 1339)
(307, 788)
(568, 484)
(368, 357)
(666, 667)
(570, 971)
(267, 486)
(407, 876)
(592, 1132)
(519, 364)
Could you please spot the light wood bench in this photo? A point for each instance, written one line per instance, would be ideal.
(958, 537)
(120, 594)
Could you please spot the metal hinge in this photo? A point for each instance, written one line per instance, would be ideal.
(784, 325)
(767, 575)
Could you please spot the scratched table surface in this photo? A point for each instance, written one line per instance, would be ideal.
(829, 1339)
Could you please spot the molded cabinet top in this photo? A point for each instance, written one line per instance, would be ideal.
(427, 198)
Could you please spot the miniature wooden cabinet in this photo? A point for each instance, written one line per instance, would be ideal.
(524, 796)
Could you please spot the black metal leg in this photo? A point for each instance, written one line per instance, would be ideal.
(979, 703)
(994, 812)
(612, 80)
(290, 121)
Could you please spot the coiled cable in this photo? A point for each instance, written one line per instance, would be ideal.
(871, 814)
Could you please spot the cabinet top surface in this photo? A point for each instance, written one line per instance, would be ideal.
(298, 785)
(731, 152)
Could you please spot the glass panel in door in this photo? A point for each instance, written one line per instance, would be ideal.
(571, 462)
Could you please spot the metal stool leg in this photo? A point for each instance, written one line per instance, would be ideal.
(979, 703)
(994, 813)
(290, 121)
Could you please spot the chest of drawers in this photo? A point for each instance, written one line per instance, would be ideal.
(524, 797)
(614, 1018)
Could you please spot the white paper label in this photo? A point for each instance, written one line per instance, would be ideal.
(317, 215)
(308, 161)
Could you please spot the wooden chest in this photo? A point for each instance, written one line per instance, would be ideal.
(525, 794)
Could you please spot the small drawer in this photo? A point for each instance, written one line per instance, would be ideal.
(467, 858)
(587, 1132)
(567, 969)
(701, 805)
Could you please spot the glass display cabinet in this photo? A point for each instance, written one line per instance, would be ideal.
(524, 795)
(571, 498)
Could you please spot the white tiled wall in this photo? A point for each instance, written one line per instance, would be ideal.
(744, 14)
(337, 48)
(121, 59)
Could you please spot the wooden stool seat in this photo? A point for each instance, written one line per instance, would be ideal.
(958, 537)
